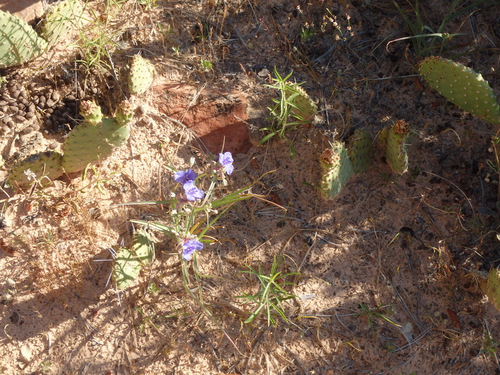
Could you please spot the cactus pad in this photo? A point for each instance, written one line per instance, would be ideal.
(141, 75)
(492, 287)
(91, 144)
(18, 41)
(360, 150)
(461, 86)
(129, 262)
(302, 104)
(91, 112)
(46, 166)
(396, 144)
(337, 169)
(58, 18)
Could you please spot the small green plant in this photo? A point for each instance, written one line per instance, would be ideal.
(294, 108)
(306, 33)
(96, 43)
(379, 312)
(3, 81)
(147, 4)
(490, 345)
(45, 366)
(272, 293)
(206, 65)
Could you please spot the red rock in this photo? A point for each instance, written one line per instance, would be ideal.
(219, 118)
(26, 10)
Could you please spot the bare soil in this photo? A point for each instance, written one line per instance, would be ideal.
(388, 269)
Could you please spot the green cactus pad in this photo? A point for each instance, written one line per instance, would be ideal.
(337, 169)
(18, 41)
(88, 144)
(303, 106)
(46, 166)
(129, 262)
(124, 113)
(59, 18)
(91, 112)
(461, 86)
(397, 142)
(141, 75)
(492, 287)
(360, 150)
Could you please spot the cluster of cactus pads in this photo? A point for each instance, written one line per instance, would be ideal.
(129, 262)
(90, 142)
(340, 162)
(19, 42)
(461, 86)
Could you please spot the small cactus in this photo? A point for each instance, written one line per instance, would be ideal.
(337, 169)
(129, 262)
(91, 112)
(461, 86)
(140, 76)
(302, 105)
(395, 138)
(491, 287)
(43, 167)
(360, 150)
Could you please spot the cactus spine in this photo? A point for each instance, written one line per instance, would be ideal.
(461, 86)
(337, 169)
(129, 262)
(140, 76)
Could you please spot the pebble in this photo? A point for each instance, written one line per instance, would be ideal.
(53, 145)
(27, 130)
(26, 354)
(19, 118)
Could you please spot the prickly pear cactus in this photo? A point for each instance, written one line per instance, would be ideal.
(59, 18)
(397, 137)
(360, 150)
(461, 86)
(43, 167)
(129, 262)
(91, 112)
(492, 287)
(89, 144)
(303, 106)
(337, 169)
(140, 76)
(124, 113)
(18, 41)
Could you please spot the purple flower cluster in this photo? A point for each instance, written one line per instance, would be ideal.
(226, 159)
(189, 247)
(187, 180)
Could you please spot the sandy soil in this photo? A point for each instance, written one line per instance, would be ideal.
(387, 271)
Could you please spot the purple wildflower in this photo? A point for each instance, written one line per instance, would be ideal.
(185, 177)
(189, 247)
(226, 159)
(192, 192)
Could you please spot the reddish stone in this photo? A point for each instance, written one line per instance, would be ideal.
(219, 118)
(27, 10)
